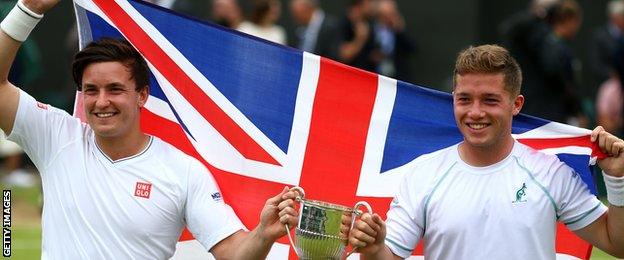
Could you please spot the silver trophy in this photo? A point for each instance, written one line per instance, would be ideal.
(323, 229)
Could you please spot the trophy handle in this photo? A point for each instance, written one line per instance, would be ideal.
(300, 191)
(298, 199)
(357, 212)
(290, 239)
(358, 205)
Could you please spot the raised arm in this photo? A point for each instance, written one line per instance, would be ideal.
(607, 232)
(15, 28)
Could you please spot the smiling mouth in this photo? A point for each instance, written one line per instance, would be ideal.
(477, 126)
(104, 114)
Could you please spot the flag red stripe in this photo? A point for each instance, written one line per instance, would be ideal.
(341, 116)
(546, 143)
(568, 243)
(184, 84)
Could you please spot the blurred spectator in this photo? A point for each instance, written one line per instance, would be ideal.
(604, 42)
(358, 47)
(523, 34)
(560, 67)
(264, 14)
(609, 104)
(395, 44)
(14, 174)
(227, 13)
(603, 46)
(538, 40)
(317, 31)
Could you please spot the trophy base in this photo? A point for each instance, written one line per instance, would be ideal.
(311, 245)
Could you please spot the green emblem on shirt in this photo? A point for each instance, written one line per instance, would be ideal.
(521, 194)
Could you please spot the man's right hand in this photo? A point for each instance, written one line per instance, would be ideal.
(368, 234)
(40, 6)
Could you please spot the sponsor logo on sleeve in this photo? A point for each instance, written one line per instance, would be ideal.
(217, 196)
(42, 106)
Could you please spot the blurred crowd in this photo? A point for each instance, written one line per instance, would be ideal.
(372, 35)
(539, 38)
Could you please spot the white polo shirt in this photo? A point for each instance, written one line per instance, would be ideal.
(507, 210)
(131, 208)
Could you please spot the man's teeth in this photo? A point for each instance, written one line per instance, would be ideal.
(477, 126)
(103, 115)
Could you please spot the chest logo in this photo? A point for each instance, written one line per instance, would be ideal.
(521, 194)
(143, 190)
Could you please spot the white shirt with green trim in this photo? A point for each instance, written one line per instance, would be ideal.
(131, 208)
(508, 210)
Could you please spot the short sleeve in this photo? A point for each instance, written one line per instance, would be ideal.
(577, 207)
(405, 223)
(208, 218)
(42, 130)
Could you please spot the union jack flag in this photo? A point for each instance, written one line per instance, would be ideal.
(261, 116)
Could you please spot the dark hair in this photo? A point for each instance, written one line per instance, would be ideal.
(109, 49)
(351, 3)
(261, 9)
(490, 59)
(563, 11)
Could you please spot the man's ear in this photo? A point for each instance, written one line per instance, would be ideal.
(518, 103)
(143, 95)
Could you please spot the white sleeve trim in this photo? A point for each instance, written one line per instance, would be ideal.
(398, 249)
(588, 217)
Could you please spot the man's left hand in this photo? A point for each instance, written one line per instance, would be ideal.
(614, 148)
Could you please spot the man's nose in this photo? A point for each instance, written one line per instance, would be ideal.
(102, 99)
(476, 110)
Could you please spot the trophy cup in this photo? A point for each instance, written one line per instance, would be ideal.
(323, 229)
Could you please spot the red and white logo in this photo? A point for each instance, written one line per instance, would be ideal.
(143, 190)
(42, 106)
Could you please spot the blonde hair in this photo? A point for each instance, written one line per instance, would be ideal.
(490, 59)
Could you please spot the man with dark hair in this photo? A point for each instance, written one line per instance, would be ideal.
(317, 32)
(395, 43)
(357, 39)
(111, 191)
(559, 99)
(491, 197)
(108, 49)
(227, 13)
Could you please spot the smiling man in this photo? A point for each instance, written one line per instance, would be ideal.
(111, 191)
(490, 197)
